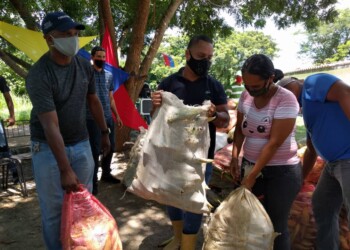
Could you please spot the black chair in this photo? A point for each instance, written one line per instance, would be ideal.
(8, 162)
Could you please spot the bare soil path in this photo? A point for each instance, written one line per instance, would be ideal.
(142, 224)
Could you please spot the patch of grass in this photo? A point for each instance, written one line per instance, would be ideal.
(22, 108)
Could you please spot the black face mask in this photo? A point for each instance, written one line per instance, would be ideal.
(259, 92)
(199, 67)
(99, 63)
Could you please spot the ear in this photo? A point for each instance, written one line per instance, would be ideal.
(48, 39)
(187, 55)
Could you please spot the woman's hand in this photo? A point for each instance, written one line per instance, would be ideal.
(249, 181)
(235, 171)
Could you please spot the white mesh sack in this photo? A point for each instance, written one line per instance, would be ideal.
(240, 223)
(171, 164)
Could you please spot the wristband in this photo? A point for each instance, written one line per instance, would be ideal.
(106, 131)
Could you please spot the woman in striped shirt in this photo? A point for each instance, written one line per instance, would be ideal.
(265, 132)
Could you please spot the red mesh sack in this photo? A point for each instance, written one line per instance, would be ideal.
(87, 224)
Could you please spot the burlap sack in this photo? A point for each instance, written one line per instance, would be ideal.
(170, 165)
(240, 223)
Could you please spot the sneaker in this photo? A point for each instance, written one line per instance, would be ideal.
(110, 179)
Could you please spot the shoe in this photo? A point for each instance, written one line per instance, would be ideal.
(110, 179)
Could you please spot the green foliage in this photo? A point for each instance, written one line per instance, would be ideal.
(284, 12)
(22, 107)
(231, 52)
(15, 82)
(192, 17)
(203, 17)
(330, 41)
(229, 55)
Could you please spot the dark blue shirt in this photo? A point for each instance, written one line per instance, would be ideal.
(195, 93)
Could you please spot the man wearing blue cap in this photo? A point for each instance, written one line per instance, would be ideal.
(60, 85)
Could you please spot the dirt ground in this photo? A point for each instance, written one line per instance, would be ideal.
(142, 224)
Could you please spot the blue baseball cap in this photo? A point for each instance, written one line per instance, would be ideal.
(59, 21)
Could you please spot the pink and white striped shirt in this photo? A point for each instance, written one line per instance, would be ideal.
(257, 123)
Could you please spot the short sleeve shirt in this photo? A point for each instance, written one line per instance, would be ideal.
(325, 121)
(256, 126)
(104, 84)
(195, 93)
(64, 89)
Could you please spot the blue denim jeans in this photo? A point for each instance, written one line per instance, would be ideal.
(48, 184)
(279, 185)
(192, 221)
(333, 188)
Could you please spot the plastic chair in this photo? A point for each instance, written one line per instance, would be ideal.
(8, 161)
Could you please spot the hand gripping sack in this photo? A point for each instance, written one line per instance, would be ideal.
(171, 163)
(87, 224)
(240, 223)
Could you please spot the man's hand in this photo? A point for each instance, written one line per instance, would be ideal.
(69, 181)
(156, 99)
(212, 110)
(10, 121)
(119, 122)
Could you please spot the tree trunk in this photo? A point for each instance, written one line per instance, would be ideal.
(12, 64)
(25, 14)
(133, 61)
(157, 39)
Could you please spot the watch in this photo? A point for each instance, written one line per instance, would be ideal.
(106, 131)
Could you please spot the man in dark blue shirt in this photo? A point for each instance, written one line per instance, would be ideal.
(193, 85)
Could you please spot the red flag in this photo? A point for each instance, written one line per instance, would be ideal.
(126, 108)
(108, 46)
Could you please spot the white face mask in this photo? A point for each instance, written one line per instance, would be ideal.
(68, 46)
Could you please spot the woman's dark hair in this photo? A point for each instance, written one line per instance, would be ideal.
(194, 40)
(259, 64)
(278, 75)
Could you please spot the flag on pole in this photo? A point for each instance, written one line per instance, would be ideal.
(108, 46)
(126, 108)
(168, 60)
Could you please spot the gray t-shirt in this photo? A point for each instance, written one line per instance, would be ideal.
(64, 89)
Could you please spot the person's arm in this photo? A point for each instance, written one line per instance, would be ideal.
(49, 122)
(222, 118)
(340, 92)
(11, 120)
(280, 130)
(156, 100)
(238, 139)
(309, 158)
(114, 109)
(96, 110)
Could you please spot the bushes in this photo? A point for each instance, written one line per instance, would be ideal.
(22, 107)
